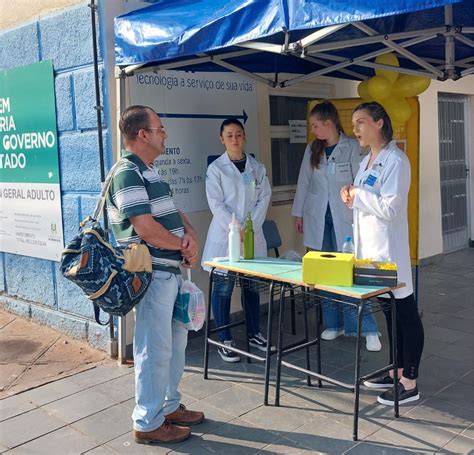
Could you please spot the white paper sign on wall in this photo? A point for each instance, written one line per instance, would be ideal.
(192, 106)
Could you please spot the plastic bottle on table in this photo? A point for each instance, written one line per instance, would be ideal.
(248, 238)
(348, 246)
(234, 240)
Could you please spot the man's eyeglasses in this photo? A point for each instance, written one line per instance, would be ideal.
(160, 129)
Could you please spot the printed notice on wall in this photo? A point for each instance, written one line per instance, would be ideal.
(30, 195)
(192, 106)
(297, 131)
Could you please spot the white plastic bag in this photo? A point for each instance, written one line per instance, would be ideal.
(190, 306)
(291, 255)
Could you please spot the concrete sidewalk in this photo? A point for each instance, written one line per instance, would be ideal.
(89, 412)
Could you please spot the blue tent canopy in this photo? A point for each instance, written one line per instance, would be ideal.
(338, 38)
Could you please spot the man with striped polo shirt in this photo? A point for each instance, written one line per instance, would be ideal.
(141, 208)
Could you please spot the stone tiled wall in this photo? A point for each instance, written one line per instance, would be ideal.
(34, 287)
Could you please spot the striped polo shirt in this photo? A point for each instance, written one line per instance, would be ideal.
(137, 189)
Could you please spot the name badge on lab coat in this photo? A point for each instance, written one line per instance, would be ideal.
(343, 171)
(331, 167)
(371, 178)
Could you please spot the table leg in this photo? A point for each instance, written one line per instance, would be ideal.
(306, 338)
(360, 310)
(280, 344)
(393, 309)
(207, 331)
(269, 342)
(318, 336)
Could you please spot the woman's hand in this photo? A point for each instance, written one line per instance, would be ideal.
(299, 224)
(345, 194)
(348, 194)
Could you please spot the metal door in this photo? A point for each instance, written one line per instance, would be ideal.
(452, 116)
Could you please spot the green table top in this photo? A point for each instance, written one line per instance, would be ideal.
(285, 271)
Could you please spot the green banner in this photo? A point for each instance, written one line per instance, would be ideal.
(28, 138)
(30, 193)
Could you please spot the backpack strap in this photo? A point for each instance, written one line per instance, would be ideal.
(99, 208)
(97, 315)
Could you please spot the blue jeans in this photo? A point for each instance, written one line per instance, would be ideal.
(334, 316)
(222, 288)
(159, 346)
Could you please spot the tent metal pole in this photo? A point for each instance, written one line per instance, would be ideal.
(401, 50)
(345, 71)
(195, 61)
(464, 39)
(99, 110)
(121, 102)
(449, 45)
(374, 40)
(317, 36)
(244, 72)
(343, 64)
(397, 69)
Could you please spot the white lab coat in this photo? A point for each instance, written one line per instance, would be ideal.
(381, 212)
(317, 187)
(229, 191)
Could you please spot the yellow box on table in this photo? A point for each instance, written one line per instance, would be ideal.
(332, 269)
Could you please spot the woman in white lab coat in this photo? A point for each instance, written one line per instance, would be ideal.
(329, 163)
(235, 183)
(379, 199)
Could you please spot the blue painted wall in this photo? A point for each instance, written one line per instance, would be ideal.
(34, 287)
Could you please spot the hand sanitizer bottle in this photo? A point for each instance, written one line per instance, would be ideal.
(234, 240)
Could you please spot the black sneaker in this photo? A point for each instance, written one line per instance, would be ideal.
(228, 355)
(259, 342)
(380, 382)
(404, 396)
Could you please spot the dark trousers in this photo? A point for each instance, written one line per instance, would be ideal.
(221, 298)
(410, 335)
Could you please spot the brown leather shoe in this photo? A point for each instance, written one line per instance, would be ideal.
(183, 416)
(165, 434)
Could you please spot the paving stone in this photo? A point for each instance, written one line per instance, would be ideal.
(67, 440)
(459, 444)
(118, 389)
(416, 435)
(106, 425)
(126, 444)
(373, 446)
(445, 334)
(30, 425)
(197, 387)
(469, 432)
(53, 391)
(101, 450)
(102, 373)
(234, 437)
(235, 400)
(468, 378)
(323, 435)
(456, 323)
(443, 414)
(79, 405)
(458, 393)
(285, 446)
(292, 413)
(12, 406)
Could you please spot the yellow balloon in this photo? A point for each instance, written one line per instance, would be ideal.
(379, 88)
(407, 85)
(363, 90)
(387, 59)
(397, 109)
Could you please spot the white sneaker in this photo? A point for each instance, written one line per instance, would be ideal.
(372, 343)
(331, 334)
